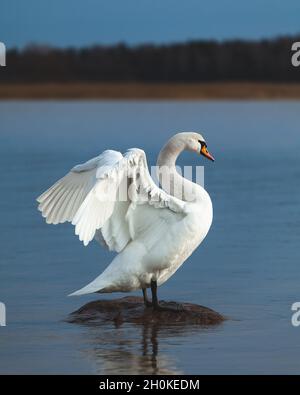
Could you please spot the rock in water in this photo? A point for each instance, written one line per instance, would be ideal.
(131, 309)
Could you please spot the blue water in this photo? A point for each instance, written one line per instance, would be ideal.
(248, 267)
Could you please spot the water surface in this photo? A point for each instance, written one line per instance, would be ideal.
(247, 268)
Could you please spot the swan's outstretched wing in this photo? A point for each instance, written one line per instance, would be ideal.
(61, 201)
(110, 189)
(108, 209)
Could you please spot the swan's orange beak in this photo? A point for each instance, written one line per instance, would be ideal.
(205, 153)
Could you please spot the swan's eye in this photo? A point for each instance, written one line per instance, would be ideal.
(202, 143)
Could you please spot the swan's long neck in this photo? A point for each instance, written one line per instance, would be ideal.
(170, 152)
(170, 180)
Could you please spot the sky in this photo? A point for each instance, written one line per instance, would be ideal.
(86, 22)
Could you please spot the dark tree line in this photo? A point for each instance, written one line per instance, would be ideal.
(266, 60)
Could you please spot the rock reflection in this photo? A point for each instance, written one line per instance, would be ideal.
(132, 349)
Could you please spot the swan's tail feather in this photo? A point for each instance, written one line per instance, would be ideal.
(86, 290)
(116, 277)
(96, 286)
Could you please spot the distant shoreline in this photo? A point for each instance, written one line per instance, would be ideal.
(151, 91)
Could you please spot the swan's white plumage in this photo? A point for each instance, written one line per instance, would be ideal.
(61, 202)
(152, 231)
(87, 197)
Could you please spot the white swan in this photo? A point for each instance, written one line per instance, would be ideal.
(153, 230)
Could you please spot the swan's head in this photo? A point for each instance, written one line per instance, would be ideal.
(194, 142)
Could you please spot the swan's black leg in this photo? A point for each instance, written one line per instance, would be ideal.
(168, 306)
(146, 300)
(154, 294)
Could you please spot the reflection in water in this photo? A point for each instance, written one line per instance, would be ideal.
(123, 337)
(132, 349)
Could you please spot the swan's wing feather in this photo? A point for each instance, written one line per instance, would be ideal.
(144, 190)
(152, 211)
(62, 200)
(89, 197)
(111, 221)
(115, 232)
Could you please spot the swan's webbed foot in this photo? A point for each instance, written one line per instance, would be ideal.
(169, 306)
(162, 305)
